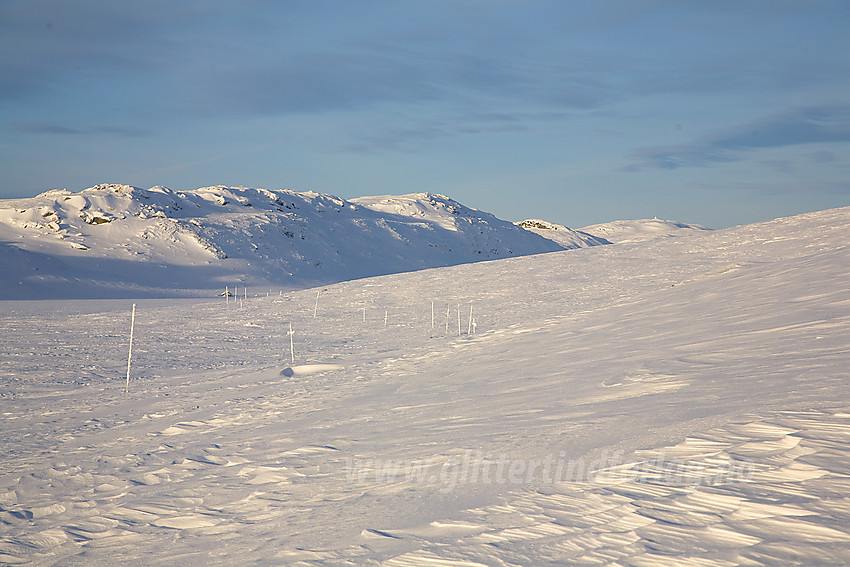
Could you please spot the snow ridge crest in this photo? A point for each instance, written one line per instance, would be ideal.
(130, 241)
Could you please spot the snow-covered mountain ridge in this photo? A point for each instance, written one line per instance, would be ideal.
(640, 230)
(560, 234)
(119, 240)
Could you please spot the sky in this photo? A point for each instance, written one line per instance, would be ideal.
(717, 113)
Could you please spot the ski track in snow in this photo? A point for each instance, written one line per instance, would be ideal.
(698, 382)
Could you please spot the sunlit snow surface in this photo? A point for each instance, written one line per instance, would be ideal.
(112, 241)
(676, 401)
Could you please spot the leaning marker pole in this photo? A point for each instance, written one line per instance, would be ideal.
(130, 354)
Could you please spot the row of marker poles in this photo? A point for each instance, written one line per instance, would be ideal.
(235, 294)
(471, 326)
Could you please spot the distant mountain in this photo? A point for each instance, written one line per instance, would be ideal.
(123, 241)
(558, 233)
(640, 230)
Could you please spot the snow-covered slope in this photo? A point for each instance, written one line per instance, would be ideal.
(566, 237)
(681, 401)
(639, 230)
(122, 241)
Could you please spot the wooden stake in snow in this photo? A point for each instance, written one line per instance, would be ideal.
(226, 296)
(469, 330)
(130, 353)
(448, 312)
(316, 308)
(386, 314)
(432, 315)
(291, 344)
(364, 314)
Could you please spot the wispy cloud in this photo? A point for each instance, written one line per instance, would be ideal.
(366, 76)
(49, 45)
(59, 129)
(410, 133)
(810, 125)
(411, 138)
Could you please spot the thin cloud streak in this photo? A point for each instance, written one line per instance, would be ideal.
(811, 125)
(364, 78)
(59, 129)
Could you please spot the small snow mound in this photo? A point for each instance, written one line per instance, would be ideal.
(306, 369)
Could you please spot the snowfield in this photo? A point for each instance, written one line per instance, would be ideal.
(678, 400)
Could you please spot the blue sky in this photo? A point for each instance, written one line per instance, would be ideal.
(719, 113)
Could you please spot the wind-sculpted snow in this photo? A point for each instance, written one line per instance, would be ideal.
(679, 401)
(122, 241)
